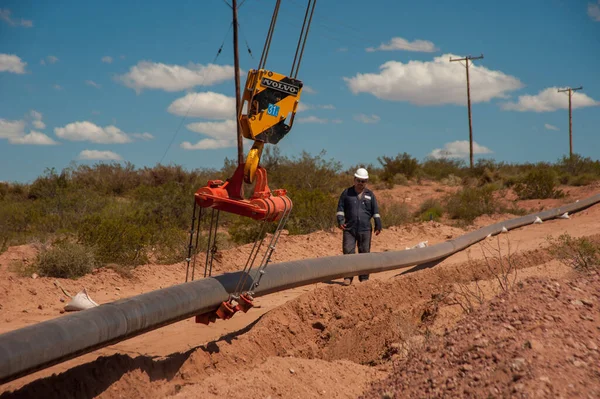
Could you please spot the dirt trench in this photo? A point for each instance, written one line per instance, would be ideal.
(351, 333)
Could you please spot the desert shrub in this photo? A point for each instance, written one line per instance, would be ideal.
(482, 167)
(118, 234)
(243, 230)
(538, 183)
(401, 164)
(430, 209)
(394, 214)
(400, 179)
(582, 253)
(580, 180)
(578, 165)
(451, 180)
(313, 210)
(65, 260)
(471, 202)
(106, 178)
(441, 168)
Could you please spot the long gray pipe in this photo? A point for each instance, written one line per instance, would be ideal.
(44, 344)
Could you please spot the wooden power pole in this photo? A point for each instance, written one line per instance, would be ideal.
(467, 58)
(570, 90)
(236, 62)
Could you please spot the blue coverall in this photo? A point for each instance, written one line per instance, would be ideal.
(356, 211)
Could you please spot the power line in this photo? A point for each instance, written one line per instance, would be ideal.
(194, 99)
(467, 59)
(570, 90)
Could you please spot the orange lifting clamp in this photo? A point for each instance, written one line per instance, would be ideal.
(226, 310)
(263, 204)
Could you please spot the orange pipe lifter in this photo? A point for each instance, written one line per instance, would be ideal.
(263, 204)
(271, 101)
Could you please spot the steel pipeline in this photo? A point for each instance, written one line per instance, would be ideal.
(44, 344)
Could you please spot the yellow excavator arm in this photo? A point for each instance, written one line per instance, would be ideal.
(271, 99)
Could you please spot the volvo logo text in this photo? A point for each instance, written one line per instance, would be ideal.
(281, 86)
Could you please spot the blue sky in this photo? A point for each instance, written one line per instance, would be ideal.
(91, 81)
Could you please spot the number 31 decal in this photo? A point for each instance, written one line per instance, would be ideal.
(273, 110)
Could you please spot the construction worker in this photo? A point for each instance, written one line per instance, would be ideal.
(356, 206)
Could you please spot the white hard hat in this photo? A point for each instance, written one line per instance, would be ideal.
(361, 173)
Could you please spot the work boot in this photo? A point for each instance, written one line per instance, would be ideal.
(347, 281)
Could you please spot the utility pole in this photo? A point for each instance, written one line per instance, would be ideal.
(570, 90)
(236, 63)
(467, 58)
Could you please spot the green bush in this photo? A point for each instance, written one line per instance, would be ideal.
(245, 230)
(118, 235)
(582, 253)
(402, 164)
(65, 260)
(471, 202)
(313, 210)
(578, 165)
(441, 168)
(430, 209)
(538, 183)
(394, 214)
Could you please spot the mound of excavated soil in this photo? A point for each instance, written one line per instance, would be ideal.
(540, 340)
(366, 323)
(288, 378)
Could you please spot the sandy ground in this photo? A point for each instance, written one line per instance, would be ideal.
(323, 340)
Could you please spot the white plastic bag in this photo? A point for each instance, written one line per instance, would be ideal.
(81, 301)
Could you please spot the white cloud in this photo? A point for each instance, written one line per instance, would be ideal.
(549, 100)
(216, 130)
(11, 63)
(367, 118)
(458, 149)
(594, 11)
(434, 82)
(14, 131)
(305, 106)
(342, 49)
(550, 127)
(57, 87)
(33, 138)
(51, 59)
(143, 136)
(312, 119)
(87, 131)
(107, 59)
(35, 115)
(308, 90)
(39, 124)
(92, 83)
(99, 155)
(153, 75)
(10, 129)
(398, 43)
(208, 144)
(208, 105)
(5, 16)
